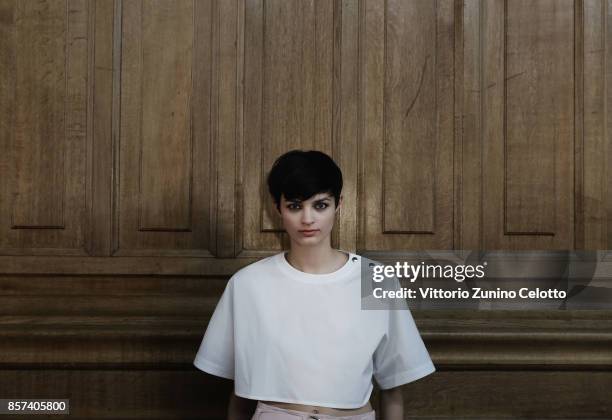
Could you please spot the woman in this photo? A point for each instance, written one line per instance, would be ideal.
(289, 329)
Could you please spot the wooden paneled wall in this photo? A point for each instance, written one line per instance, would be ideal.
(135, 136)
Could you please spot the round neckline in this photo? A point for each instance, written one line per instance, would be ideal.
(333, 277)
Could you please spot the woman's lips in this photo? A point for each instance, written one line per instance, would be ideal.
(309, 232)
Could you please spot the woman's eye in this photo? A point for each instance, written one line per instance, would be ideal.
(318, 206)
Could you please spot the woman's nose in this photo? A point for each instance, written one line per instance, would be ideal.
(307, 217)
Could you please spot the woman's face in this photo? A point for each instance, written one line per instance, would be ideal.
(309, 222)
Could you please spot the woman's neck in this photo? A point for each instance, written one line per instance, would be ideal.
(316, 260)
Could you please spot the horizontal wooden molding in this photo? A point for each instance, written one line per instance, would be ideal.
(154, 265)
(154, 343)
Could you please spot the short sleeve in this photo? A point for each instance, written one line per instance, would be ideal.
(216, 352)
(401, 355)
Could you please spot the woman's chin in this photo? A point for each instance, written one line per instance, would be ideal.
(307, 240)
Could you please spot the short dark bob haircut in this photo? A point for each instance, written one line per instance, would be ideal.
(300, 175)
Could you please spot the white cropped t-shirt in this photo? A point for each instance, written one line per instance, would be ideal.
(289, 336)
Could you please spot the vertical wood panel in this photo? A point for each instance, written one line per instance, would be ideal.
(45, 136)
(296, 85)
(608, 113)
(323, 83)
(225, 142)
(202, 105)
(458, 100)
(492, 199)
(40, 128)
(127, 144)
(102, 166)
(596, 161)
(347, 120)
(409, 117)
(538, 129)
(288, 97)
(165, 143)
(287, 71)
(7, 113)
(253, 192)
(79, 52)
(528, 124)
(372, 99)
(446, 143)
(166, 133)
(327, 32)
(470, 169)
(579, 231)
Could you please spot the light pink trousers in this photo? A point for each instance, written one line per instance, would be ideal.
(270, 412)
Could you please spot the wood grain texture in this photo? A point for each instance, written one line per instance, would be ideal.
(347, 120)
(165, 173)
(288, 97)
(348, 80)
(44, 123)
(165, 86)
(528, 125)
(470, 170)
(608, 112)
(595, 177)
(191, 394)
(410, 117)
(538, 94)
(409, 135)
(225, 145)
(135, 137)
(582, 195)
(101, 123)
(40, 128)
(579, 228)
(521, 394)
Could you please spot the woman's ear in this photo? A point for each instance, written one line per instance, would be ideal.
(339, 203)
(277, 206)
